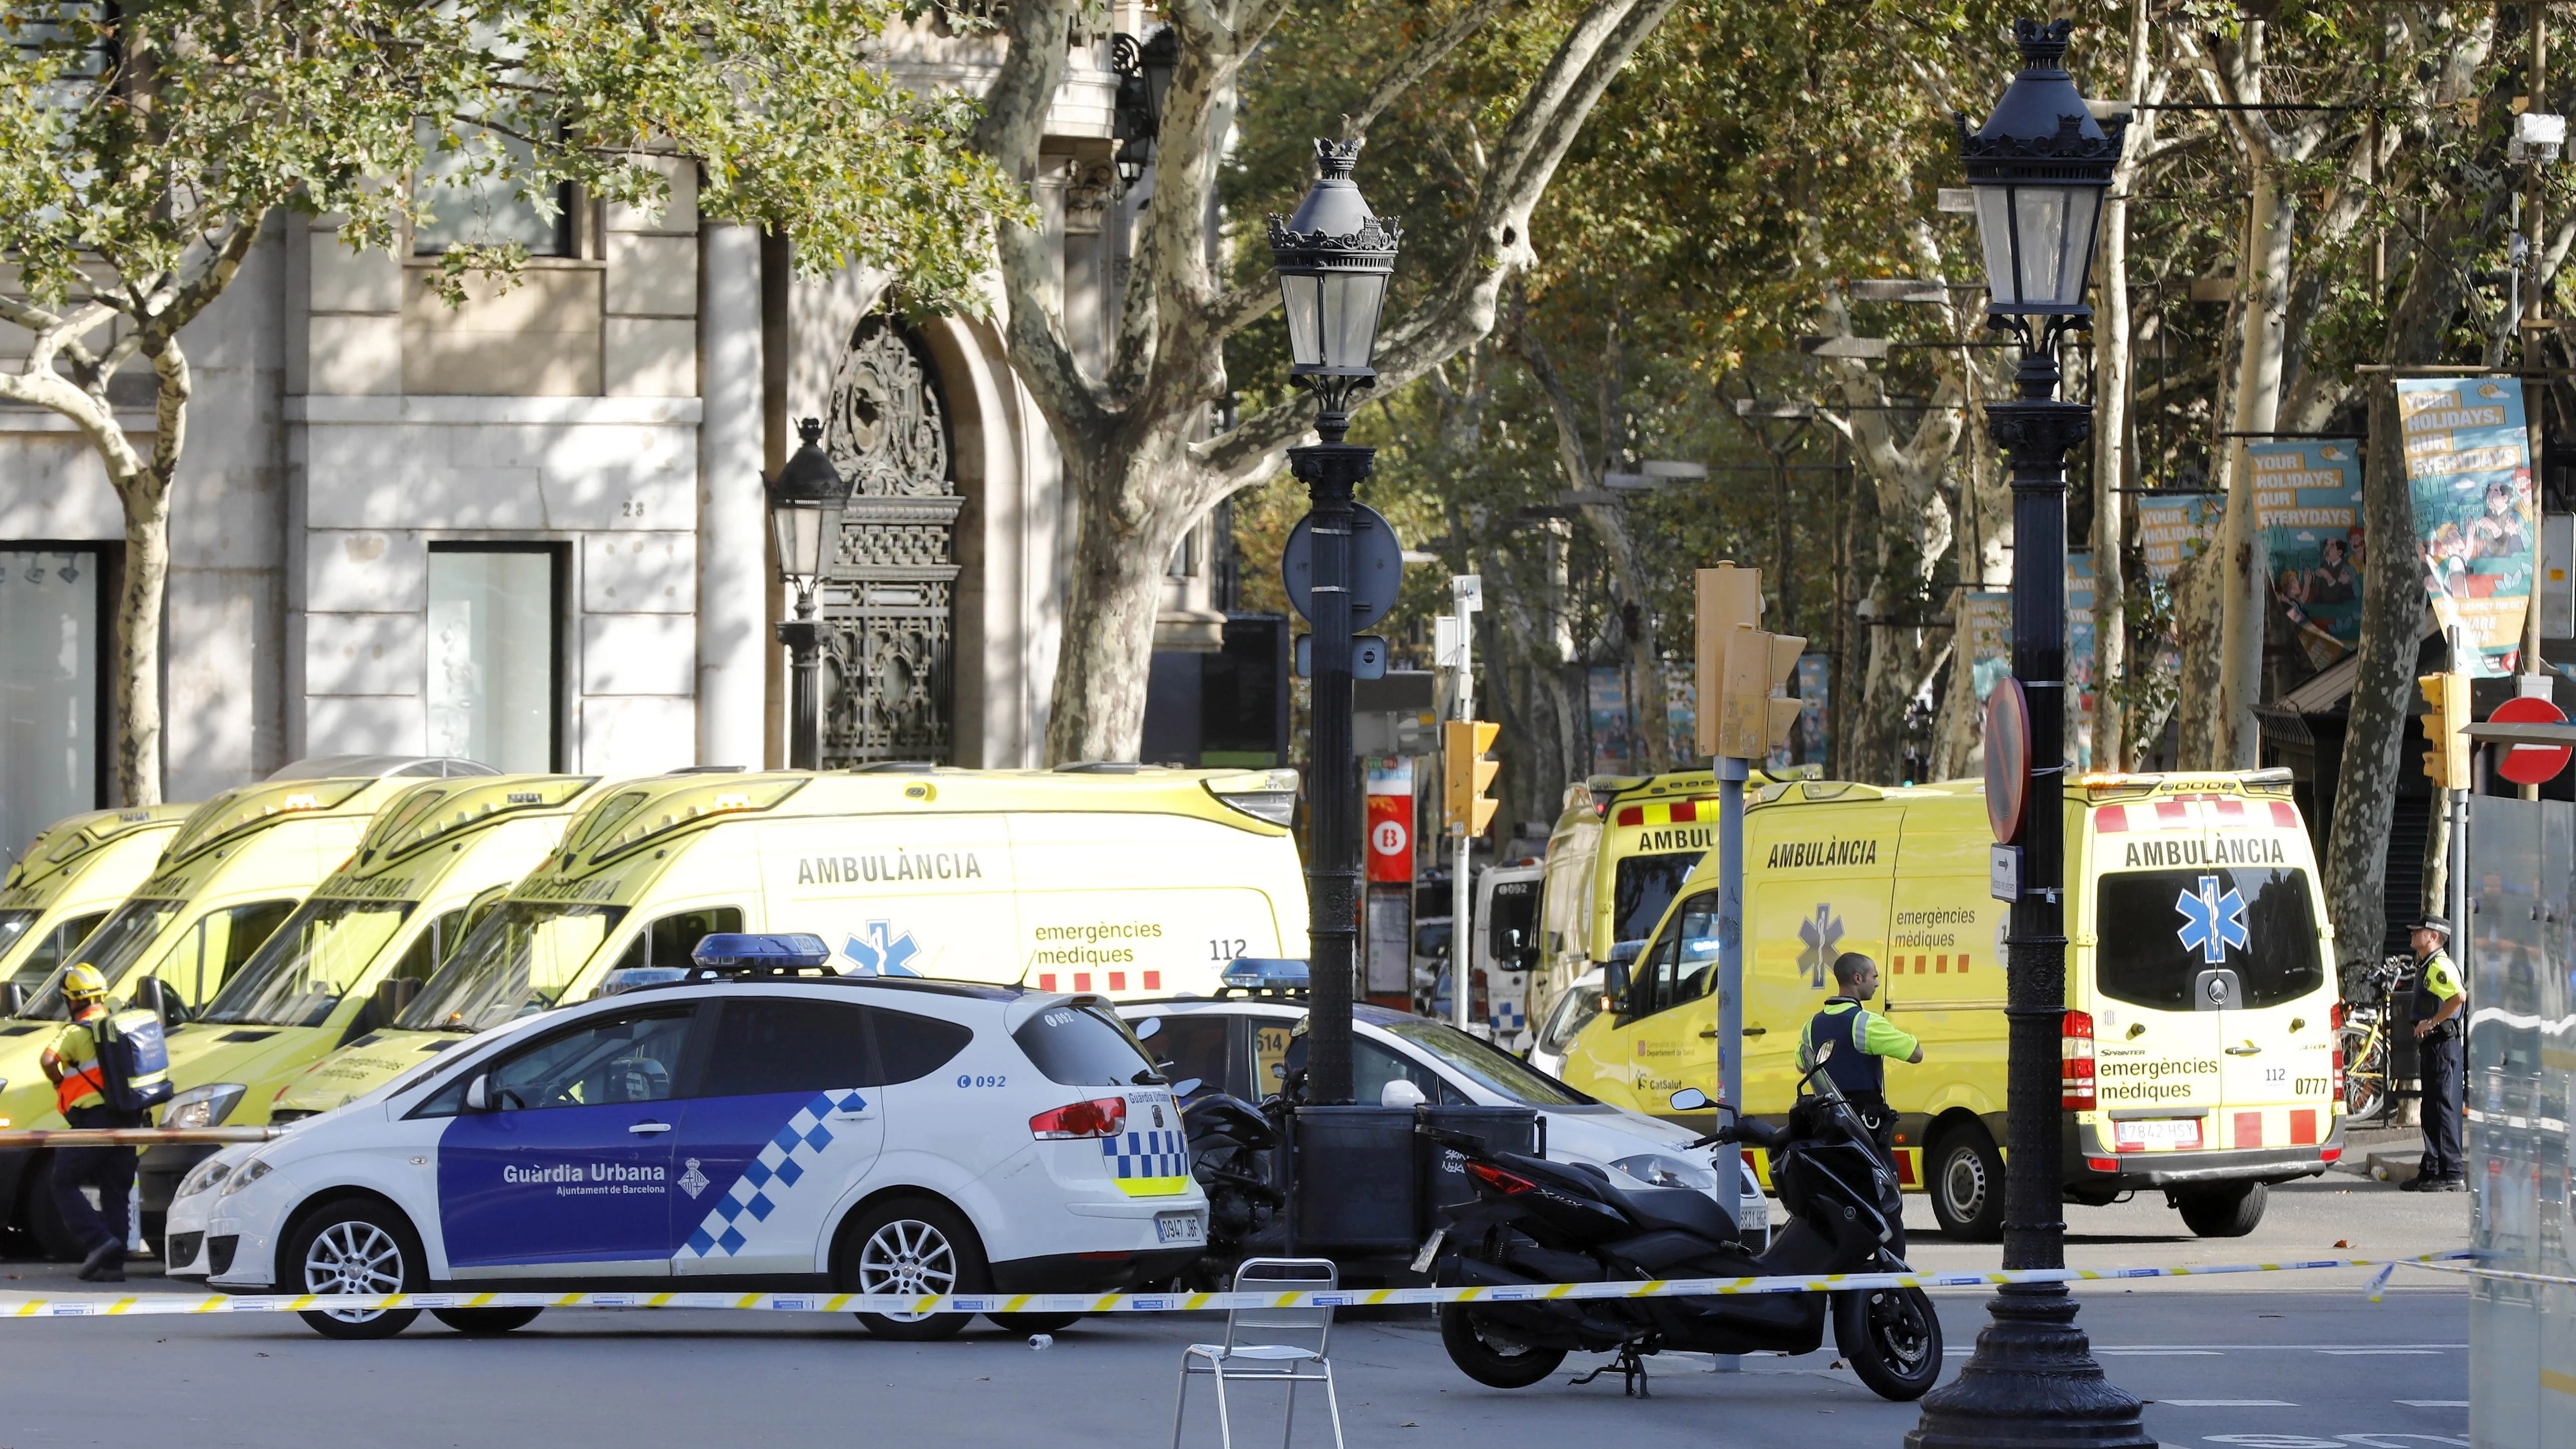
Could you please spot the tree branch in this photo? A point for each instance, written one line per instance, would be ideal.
(1408, 71)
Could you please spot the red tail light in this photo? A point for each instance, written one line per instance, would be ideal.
(1500, 1181)
(1100, 1117)
(2334, 1017)
(2075, 1068)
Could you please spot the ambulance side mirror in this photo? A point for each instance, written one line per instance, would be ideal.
(13, 999)
(478, 1093)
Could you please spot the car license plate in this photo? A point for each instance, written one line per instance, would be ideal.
(2157, 1132)
(1180, 1228)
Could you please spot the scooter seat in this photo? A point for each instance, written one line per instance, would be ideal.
(1678, 1207)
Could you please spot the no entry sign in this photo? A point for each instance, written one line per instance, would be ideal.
(2529, 764)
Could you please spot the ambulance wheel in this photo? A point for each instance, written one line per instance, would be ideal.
(912, 1245)
(485, 1322)
(355, 1247)
(1034, 1322)
(2228, 1211)
(1967, 1182)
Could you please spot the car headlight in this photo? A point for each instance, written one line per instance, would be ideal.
(251, 1171)
(1654, 1169)
(205, 1106)
(204, 1175)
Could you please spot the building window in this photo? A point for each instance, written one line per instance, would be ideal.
(51, 674)
(460, 206)
(495, 654)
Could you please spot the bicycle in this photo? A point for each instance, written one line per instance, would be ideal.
(2364, 1044)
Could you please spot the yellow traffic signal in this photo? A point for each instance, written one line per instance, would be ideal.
(1755, 709)
(1729, 598)
(1465, 774)
(2446, 700)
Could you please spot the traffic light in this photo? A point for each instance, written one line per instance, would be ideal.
(2446, 700)
(1729, 598)
(1465, 772)
(1754, 710)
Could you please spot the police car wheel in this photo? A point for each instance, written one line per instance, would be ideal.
(912, 1245)
(485, 1322)
(1967, 1182)
(356, 1247)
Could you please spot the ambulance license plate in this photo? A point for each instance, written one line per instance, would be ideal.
(2157, 1132)
(1180, 1228)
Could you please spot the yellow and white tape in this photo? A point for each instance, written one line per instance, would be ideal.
(106, 1306)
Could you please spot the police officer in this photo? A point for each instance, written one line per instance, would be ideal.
(1863, 1040)
(2438, 1000)
(80, 1090)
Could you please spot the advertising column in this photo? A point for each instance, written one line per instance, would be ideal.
(1389, 930)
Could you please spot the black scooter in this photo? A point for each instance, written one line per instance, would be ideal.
(1231, 1144)
(1535, 1221)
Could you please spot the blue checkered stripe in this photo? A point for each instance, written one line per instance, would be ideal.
(1147, 1154)
(766, 1178)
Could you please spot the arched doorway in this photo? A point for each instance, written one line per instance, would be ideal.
(889, 594)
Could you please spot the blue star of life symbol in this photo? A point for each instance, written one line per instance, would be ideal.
(2211, 923)
(881, 952)
(1822, 934)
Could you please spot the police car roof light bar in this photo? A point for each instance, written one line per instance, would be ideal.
(731, 951)
(1265, 975)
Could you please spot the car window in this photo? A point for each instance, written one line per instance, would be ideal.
(788, 1044)
(1195, 1044)
(1270, 1039)
(309, 964)
(1511, 924)
(1642, 887)
(203, 960)
(1682, 964)
(1486, 1065)
(611, 1061)
(1572, 1013)
(911, 1046)
(521, 958)
(1373, 1065)
(2161, 929)
(669, 940)
(54, 951)
(1083, 1046)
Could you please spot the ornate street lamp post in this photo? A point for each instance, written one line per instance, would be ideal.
(805, 504)
(1333, 259)
(2039, 169)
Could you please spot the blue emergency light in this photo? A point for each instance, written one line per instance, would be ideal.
(1270, 976)
(734, 951)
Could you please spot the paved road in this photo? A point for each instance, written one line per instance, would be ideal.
(2268, 1362)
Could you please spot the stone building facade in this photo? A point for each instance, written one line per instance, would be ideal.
(530, 529)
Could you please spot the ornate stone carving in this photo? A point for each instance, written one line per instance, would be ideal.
(888, 592)
(1089, 187)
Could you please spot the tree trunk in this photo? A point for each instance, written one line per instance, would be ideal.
(2112, 379)
(1116, 587)
(138, 639)
(2244, 609)
(2377, 725)
(2196, 588)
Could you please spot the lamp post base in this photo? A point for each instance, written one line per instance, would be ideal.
(2031, 1382)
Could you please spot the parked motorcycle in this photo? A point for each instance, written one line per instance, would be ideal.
(1535, 1221)
(1231, 1145)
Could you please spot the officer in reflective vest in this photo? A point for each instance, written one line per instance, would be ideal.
(1863, 1040)
(80, 1090)
(2438, 999)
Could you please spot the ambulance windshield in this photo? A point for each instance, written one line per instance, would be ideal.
(1645, 885)
(114, 949)
(2162, 932)
(521, 959)
(303, 970)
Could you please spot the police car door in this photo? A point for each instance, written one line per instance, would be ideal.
(566, 1170)
(789, 1116)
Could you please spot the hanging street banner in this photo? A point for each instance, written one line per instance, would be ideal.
(2307, 505)
(2175, 530)
(2468, 471)
(1989, 638)
(2080, 698)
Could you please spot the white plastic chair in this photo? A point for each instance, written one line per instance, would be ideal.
(1238, 1361)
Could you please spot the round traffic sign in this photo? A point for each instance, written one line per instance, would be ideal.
(1377, 566)
(2530, 764)
(1389, 838)
(2007, 758)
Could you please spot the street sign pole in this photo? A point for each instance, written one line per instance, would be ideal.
(1332, 473)
(1468, 593)
(1731, 775)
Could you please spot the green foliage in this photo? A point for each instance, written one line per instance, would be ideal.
(137, 138)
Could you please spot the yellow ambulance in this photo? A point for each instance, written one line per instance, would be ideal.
(233, 871)
(356, 951)
(2199, 1033)
(73, 874)
(1120, 882)
(1619, 854)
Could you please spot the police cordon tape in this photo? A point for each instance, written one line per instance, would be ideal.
(106, 1306)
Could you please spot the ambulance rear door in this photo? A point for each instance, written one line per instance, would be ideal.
(1943, 976)
(2166, 930)
(1137, 903)
(1819, 879)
